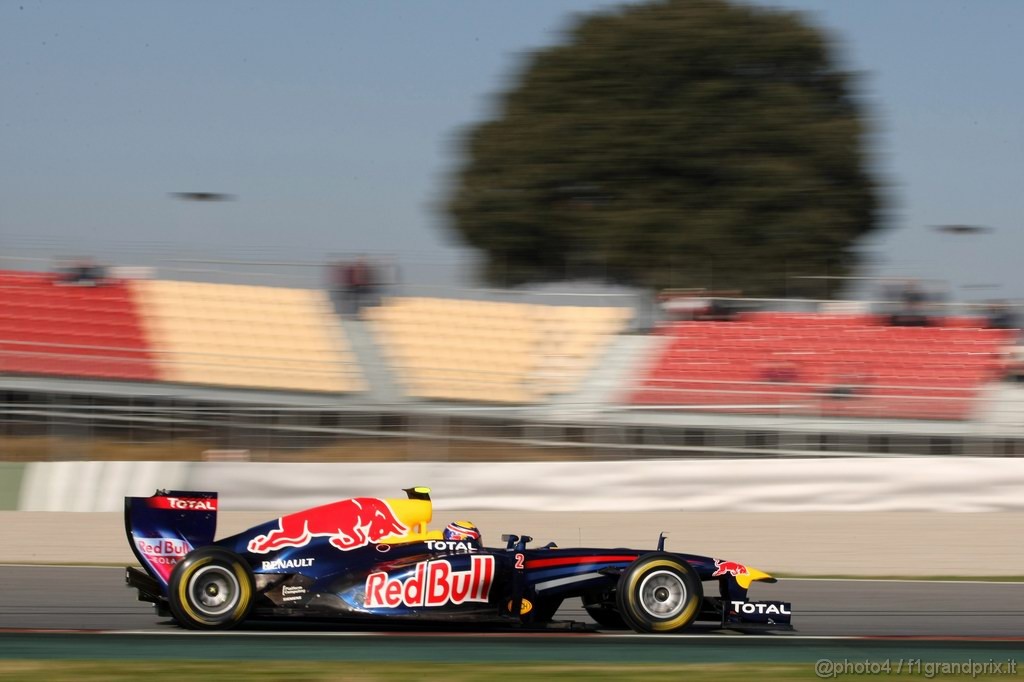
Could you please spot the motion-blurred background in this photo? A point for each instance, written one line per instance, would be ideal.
(469, 233)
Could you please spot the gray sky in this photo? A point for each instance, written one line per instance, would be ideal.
(335, 126)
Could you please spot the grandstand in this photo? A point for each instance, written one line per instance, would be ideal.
(259, 366)
(56, 329)
(180, 332)
(491, 351)
(246, 336)
(827, 365)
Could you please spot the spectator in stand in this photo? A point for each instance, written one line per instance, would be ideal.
(1013, 365)
(359, 284)
(912, 313)
(780, 372)
(698, 304)
(720, 310)
(681, 305)
(847, 385)
(82, 272)
(336, 277)
(1001, 316)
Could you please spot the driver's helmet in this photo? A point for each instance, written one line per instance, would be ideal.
(462, 531)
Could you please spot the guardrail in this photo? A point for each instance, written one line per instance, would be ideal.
(149, 427)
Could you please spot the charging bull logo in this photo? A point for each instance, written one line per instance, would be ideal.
(730, 567)
(350, 524)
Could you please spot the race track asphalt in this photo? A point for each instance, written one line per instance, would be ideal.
(96, 598)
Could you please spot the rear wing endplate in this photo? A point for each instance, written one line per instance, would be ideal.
(166, 526)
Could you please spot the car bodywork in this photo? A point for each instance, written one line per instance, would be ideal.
(374, 560)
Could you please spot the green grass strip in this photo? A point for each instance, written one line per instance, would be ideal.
(11, 474)
(89, 671)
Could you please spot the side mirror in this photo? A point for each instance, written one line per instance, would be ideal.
(516, 542)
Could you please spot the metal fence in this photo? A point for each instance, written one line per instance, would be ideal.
(54, 426)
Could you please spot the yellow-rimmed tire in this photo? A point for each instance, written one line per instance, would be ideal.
(210, 589)
(659, 593)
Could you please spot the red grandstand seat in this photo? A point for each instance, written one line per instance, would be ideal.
(48, 329)
(908, 372)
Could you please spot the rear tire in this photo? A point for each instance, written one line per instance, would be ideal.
(659, 593)
(210, 589)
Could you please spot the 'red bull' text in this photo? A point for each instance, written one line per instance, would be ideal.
(433, 583)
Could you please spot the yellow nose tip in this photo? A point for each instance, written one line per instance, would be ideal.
(745, 579)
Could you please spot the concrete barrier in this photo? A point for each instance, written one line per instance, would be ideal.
(94, 486)
(939, 484)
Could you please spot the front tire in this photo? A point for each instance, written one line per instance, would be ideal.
(659, 593)
(210, 589)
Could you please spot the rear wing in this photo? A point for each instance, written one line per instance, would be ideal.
(166, 526)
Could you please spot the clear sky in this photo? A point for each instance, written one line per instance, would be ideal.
(335, 125)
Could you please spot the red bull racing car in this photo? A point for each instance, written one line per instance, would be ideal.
(374, 561)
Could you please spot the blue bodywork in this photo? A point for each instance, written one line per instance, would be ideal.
(423, 578)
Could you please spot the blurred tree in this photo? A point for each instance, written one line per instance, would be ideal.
(675, 143)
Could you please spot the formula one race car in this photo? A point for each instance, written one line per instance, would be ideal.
(374, 561)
